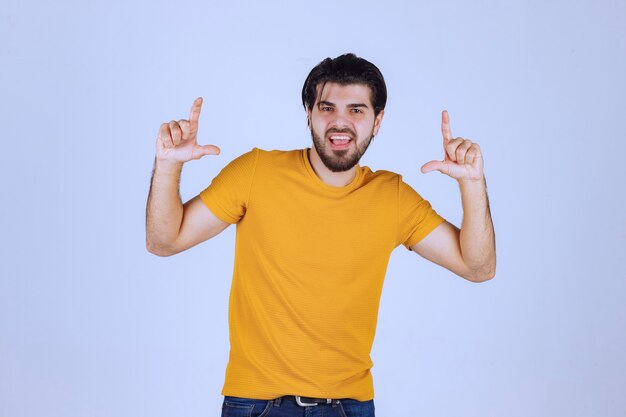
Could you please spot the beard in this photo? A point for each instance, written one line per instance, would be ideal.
(340, 160)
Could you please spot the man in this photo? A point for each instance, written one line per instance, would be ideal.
(314, 234)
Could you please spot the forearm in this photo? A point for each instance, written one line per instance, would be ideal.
(164, 211)
(477, 238)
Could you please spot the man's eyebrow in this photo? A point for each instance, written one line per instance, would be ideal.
(352, 106)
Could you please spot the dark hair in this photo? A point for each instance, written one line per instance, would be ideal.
(346, 69)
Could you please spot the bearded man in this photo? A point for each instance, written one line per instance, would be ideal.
(315, 231)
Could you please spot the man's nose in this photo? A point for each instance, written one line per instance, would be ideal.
(340, 121)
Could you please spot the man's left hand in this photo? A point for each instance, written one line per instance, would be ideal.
(462, 158)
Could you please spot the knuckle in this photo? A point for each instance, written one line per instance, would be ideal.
(164, 134)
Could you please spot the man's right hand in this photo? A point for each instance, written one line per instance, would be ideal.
(172, 227)
(178, 140)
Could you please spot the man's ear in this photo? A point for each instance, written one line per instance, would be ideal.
(308, 117)
(377, 121)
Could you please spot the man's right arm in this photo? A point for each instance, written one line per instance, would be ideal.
(172, 227)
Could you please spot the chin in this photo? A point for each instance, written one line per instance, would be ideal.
(338, 160)
(343, 163)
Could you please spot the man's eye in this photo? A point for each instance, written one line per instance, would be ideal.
(357, 111)
(326, 108)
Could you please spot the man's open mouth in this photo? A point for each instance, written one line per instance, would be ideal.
(339, 140)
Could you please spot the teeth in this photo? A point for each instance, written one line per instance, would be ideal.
(340, 137)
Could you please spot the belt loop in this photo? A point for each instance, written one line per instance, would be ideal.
(277, 401)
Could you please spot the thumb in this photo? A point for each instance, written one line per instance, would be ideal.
(200, 151)
(440, 166)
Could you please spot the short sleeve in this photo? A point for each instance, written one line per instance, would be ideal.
(227, 195)
(416, 217)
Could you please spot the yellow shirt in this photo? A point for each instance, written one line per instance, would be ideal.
(310, 260)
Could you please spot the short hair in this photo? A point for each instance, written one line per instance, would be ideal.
(344, 70)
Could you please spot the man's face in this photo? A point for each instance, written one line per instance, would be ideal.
(342, 124)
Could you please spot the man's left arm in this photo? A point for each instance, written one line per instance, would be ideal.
(469, 252)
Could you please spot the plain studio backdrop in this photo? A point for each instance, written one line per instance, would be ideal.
(91, 324)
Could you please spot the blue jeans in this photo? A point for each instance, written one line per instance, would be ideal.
(286, 407)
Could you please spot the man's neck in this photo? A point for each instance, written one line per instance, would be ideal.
(335, 179)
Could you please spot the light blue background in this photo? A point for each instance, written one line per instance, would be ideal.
(93, 325)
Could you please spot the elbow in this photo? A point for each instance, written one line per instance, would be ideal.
(481, 275)
(158, 250)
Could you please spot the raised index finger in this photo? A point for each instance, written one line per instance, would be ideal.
(445, 126)
(195, 110)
